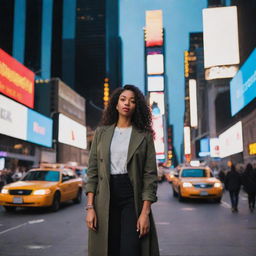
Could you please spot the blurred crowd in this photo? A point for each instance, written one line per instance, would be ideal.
(8, 176)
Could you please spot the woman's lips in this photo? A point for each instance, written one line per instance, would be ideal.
(126, 109)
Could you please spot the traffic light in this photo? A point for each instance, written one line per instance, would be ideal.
(106, 92)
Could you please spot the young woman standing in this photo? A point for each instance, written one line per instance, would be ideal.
(122, 179)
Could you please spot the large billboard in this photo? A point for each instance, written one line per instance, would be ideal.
(16, 81)
(193, 103)
(243, 85)
(221, 46)
(155, 64)
(39, 129)
(23, 123)
(154, 28)
(155, 83)
(13, 118)
(156, 101)
(71, 132)
(231, 141)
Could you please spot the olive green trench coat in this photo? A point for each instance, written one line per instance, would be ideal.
(141, 166)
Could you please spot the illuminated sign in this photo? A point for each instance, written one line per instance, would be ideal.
(243, 85)
(156, 101)
(155, 64)
(252, 149)
(214, 147)
(193, 103)
(220, 29)
(13, 118)
(71, 132)
(16, 81)
(155, 83)
(231, 141)
(154, 28)
(158, 127)
(39, 129)
(220, 72)
(187, 141)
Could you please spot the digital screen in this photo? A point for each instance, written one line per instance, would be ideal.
(243, 85)
(193, 103)
(155, 83)
(214, 147)
(16, 81)
(155, 64)
(220, 28)
(158, 128)
(71, 132)
(156, 101)
(231, 141)
(187, 141)
(204, 147)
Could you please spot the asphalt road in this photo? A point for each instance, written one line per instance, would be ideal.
(191, 228)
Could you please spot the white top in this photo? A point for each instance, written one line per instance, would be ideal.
(119, 150)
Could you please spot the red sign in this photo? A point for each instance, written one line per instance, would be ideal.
(16, 81)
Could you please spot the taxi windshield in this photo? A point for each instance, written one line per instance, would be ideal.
(42, 176)
(197, 173)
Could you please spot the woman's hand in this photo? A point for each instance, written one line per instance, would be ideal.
(143, 224)
(91, 219)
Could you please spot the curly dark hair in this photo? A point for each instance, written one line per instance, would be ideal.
(141, 118)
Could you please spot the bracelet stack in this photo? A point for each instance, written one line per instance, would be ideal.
(89, 206)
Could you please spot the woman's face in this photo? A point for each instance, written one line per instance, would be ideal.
(126, 103)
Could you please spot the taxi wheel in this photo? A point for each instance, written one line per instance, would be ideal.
(10, 208)
(55, 202)
(180, 197)
(78, 198)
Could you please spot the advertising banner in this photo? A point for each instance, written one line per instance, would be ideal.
(13, 118)
(71, 133)
(158, 127)
(16, 81)
(214, 147)
(243, 85)
(39, 129)
(231, 141)
(155, 64)
(156, 102)
(155, 83)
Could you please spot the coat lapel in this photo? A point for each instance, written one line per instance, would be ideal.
(136, 139)
(108, 134)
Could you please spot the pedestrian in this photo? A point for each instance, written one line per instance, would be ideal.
(233, 184)
(122, 179)
(249, 183)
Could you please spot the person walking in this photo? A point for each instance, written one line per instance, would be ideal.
(233, 185)
(122, 179)
(249, 183)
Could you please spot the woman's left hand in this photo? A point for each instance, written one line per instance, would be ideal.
(143, 224)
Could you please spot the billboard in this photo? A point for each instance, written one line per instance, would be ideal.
(16, 81)
(243, 85)
(187, 141)
(231, 141)
(156, 102)
(214, 147)
(39, 129)
(155, 64)
(204, 147)
(221, 46)
(71, 132)
(158, 127)
(13, 118)
(155, 83)
(193, 103)
(154, 28)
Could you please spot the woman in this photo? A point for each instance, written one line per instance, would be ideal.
(249, 182)
(122, 179)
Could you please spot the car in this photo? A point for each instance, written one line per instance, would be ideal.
(196, 182)
(42, 187)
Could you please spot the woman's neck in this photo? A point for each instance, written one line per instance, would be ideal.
(123, 122)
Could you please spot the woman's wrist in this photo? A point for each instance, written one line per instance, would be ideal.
(89, 207)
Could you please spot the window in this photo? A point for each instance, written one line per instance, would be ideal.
(197, 173)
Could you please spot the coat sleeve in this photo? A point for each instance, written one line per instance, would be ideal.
(92, 172)
(150, 173)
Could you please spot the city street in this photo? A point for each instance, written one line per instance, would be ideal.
(191, 228)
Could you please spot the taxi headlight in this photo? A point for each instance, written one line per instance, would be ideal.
(42, 192)
(4, 191)
(217, 185)
(187, 185)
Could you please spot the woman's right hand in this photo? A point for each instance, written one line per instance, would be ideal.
(91, 219)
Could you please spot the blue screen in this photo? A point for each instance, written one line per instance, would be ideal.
(39, 129)
(243, 85)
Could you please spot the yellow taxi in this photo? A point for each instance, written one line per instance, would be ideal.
(196, 182)
(42, 187)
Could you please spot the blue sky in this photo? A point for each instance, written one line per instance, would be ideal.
(179, 18)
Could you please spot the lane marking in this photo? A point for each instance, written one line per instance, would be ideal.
(187, 209)
(22, 225)
(163, 223)
(37, 247)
